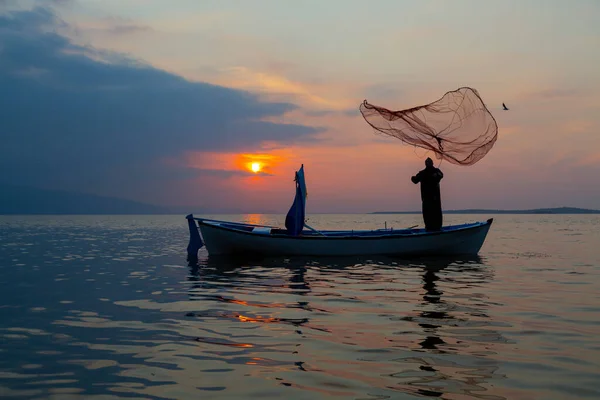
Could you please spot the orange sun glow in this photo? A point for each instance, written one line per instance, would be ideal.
(255, 167)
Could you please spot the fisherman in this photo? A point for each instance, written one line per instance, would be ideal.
(430, 178)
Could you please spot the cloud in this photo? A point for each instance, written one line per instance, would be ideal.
(227, 173)
(578, 126)
(275, 86)
(556, 93)
(73, 115)
(383, 92)
(230, 165)
(112, 26)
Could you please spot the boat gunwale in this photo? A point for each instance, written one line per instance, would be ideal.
(373, 236)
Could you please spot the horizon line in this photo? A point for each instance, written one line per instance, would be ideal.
(545, 210)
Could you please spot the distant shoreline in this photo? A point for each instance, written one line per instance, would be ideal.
(557, 210)
(537, 211)
(24, 200)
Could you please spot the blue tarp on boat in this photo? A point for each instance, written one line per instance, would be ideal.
(294, 220)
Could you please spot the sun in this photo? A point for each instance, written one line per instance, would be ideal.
(255, 167)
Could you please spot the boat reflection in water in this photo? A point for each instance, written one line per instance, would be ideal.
(362, 326)
(458, 343)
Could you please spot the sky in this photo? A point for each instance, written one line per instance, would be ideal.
(170, 103)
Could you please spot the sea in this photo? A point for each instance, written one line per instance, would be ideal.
(108, 307)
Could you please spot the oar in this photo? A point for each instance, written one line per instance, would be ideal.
(411, 227)
(313, 229)
(414, 226)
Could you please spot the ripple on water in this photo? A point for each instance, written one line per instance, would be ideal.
(352, 328)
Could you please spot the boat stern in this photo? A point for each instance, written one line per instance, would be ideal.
(195, 242)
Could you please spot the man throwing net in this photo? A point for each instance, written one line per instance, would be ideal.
(457, 128)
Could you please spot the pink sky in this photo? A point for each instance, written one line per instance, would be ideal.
(540, 58)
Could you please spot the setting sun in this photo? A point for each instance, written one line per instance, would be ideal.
(255, 167)
(259, 164)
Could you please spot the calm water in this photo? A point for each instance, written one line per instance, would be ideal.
(107, 307)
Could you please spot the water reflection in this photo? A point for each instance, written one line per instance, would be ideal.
(432, 296)
(110, 310)
(456, 332)
(435, 314)
(212, 272)
(353, 327)
(450, 312)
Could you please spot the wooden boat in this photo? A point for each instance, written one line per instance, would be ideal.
(223, 237)
(235, 238)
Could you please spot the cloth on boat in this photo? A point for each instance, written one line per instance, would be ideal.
(430, 178)
(262, 229)
(294, 220)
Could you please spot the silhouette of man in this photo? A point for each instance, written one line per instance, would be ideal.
(430, 178)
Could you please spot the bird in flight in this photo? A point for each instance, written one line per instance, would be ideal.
(504, 106)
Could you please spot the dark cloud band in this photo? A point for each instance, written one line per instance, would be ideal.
(71, 113)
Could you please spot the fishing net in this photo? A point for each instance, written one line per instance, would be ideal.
(458, 127)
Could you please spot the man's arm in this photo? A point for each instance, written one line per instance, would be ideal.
(416, 179)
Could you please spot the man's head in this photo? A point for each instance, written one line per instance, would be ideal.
(429, 162)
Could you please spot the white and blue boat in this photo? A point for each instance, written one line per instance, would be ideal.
(298, 239)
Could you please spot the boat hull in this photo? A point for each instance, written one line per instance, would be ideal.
(223, 239)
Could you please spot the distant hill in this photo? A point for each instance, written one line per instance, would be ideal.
(558, 210)
(28, 200)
